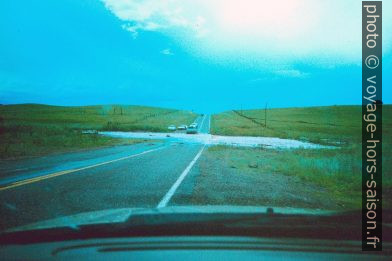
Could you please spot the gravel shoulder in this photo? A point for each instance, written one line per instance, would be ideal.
(233, 176)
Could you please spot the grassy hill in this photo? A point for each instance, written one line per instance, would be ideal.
(325, 125)
(33, 129)
(337, 170)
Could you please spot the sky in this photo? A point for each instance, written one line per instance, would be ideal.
(202, 55)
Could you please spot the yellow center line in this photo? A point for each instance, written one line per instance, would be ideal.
(60, 173)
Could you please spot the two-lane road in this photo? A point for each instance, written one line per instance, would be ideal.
(142, 175)
(204, 123)
(155, 174)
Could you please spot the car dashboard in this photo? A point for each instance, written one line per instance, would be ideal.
(191, 248)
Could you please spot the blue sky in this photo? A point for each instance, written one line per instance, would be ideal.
(206, 56)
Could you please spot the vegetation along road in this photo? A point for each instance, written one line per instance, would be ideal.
(51, 168)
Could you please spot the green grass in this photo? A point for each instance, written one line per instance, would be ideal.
(32, 129)
(338, 171)
(324, 125)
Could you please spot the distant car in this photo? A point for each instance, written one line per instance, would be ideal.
(191, 130)
(172, 127)
(182, 127)
(193, 125)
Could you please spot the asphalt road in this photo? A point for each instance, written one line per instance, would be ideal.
(154, 174)
(141, 175)
(204, 123)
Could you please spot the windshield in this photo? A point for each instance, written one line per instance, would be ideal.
(228, 105)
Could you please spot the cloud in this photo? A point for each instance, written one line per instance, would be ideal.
(150, 26)
(151, 15)
(278, 74)
(292, 73)
(317, 32)
(167, 51)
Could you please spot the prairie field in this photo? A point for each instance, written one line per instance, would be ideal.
(33, 130)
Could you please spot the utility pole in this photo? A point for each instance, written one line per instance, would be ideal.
(265, 115)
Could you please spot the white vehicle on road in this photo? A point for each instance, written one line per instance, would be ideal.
(182, 127)
(193, 125)
(191, 130)
(172, 127)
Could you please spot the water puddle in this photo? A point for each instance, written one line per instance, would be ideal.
(208, 139)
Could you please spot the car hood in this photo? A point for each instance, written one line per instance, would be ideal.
(121, 215)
